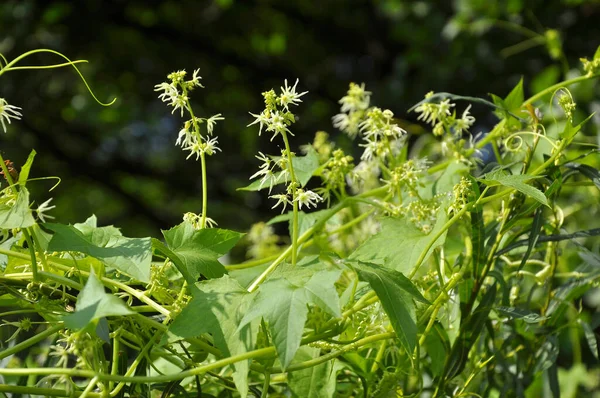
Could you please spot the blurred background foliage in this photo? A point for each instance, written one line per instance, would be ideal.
(120, 162)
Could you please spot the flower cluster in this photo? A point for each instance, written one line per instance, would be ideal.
(407, 175)
(196, 220)
(8, 112)
(175, 94)
(322, 146)
(442, 118)
(276, 117)
(565, 101)
(263, 241)
(354, 106)
(335, 170)
(591, 67)
(272, 171)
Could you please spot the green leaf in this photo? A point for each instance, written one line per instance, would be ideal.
(399, 243)
(131, 256)
(519, 313)
(282, 301)
(24, 172)
(199, 250)
(570, 130)
(500, 177)
(16, 214)
(395, 291)
(588, 171)
(590, 337)
(94, 303)
(217, 308)
(315, 382)
(515, 98)
(437, 346)
(304, 168)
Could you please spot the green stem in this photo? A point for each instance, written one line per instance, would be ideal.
(31, 341)
(556, 86)
(31, 247)
(204, 190)
(432, 241)
(9, 67)
(319, 224)
(295, 187)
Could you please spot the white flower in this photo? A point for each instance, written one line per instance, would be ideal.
(307, 198)
(277, 125)
(196, 220)
(211, 121)
(179, 102)
(465, 122)
(195, 80)
(198, 148)
(262, 119)
(444, 108)
(357, 98)
(42, 209)
(370, 152)
(7, 112)
(341, 121)
(289, 95)
(169, 91)
(281, 199)
(185, 137)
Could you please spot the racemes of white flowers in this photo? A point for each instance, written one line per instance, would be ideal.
(276, 117)
(383, 137)
(8, 112)
(175, 93)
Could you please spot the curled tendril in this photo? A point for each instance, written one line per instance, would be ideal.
(516, 137)
(9, 66)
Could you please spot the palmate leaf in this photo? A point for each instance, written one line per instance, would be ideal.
(131, 256)
(396, 293)
(282, 302)
(94, 303)
(217, 307)
(399, 243)
(199, 250)
(304, 168)
(16, 214)
(500, 177)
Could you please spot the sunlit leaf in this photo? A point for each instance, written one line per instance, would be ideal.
(131, 256)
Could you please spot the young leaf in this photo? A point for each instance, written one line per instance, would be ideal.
(131, 256)
(515, 98)
(94, 303)
(282, 301)
(590, 337)
(16, 214)
(399, 243)
(217, 308)
(518, 313)
(304, 168)
(395, 291)
(499, 177)
(24, 173)
(570, 130)
(199, 250)
(315, 382)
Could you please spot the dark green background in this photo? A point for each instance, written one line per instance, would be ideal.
(121, 163)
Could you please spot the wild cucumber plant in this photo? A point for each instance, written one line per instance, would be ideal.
(426, 269)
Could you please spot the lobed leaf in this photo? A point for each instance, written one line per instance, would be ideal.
(131, 256)
(199, 250)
